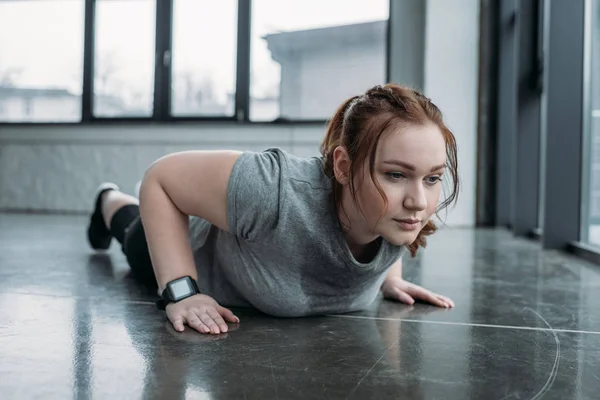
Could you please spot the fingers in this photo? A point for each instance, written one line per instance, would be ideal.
(194, 321)
(436, 300)
(430, 297)
(178, 324)
(208, 320)
(439, 300)
(446, 300)
(204, 321)
(404, 297)
(228, 315)
(216, 317)
(201, 313)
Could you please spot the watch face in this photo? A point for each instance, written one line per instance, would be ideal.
(180, 289)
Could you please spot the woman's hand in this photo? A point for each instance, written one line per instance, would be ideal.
(200, 312)
(396, 288)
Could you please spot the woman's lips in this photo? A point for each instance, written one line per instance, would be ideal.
(408, 224)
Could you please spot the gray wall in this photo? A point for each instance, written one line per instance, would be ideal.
(57, 168)
(451, 80)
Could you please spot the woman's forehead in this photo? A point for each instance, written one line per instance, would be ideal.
(417, 140)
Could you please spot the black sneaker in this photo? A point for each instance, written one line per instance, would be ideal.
(99, 236)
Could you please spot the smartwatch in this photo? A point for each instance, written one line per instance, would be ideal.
(177, 290)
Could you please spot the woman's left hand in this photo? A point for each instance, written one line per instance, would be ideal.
(396, 288)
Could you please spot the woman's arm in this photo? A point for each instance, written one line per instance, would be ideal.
(396, 288)
(175, 187)
(395, 270)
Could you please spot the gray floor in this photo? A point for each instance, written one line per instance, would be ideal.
(73, 325)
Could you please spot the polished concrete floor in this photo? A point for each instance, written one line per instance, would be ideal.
(73, 326)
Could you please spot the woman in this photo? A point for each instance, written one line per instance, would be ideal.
(289, 236)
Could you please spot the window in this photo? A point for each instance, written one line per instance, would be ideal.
(41, 59)
(307, 56)
(204, 57)
(124, 58)
(591, 187)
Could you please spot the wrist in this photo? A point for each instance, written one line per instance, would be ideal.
(176, 290)
(391, 279)
(164, 282)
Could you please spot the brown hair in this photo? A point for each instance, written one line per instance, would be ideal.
(358, 125)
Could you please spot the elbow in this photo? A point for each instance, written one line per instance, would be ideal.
(156, 191)
(150, 182)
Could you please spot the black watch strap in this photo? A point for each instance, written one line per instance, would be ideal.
(177, 290)
(160, 304)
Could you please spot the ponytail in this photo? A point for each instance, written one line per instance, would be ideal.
(333, 135)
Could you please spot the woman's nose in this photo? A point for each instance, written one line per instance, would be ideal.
(415, 198)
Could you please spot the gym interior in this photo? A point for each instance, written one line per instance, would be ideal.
(97, 90)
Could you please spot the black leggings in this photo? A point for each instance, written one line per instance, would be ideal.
(126, 226)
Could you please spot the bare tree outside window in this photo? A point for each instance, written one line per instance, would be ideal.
(41, 60)
(124, 59)
(204, 58)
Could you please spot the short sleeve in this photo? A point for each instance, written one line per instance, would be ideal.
(254, 194)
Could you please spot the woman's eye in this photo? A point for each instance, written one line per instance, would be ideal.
(432, 180)
(395, 175)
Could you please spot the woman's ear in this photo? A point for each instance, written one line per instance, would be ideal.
(341, 165)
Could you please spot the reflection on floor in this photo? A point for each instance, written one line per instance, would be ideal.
(526, 323)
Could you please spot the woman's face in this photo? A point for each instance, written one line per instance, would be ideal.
(409, 164)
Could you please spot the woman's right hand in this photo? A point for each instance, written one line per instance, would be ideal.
(200, 312)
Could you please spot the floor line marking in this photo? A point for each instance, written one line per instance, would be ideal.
(552, 376)
(371, 369)
(150, 303)
(421, 321)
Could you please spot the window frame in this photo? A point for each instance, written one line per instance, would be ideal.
(162, 76)
(566, 68)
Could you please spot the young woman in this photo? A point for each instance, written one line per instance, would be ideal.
(286, 235)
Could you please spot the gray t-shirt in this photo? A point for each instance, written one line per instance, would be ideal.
(285, 253)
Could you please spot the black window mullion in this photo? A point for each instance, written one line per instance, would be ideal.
(87, 97)
(242, 87)
(163, 57)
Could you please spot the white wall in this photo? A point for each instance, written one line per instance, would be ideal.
(58, 168)
(345, 71)
(451, 76)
